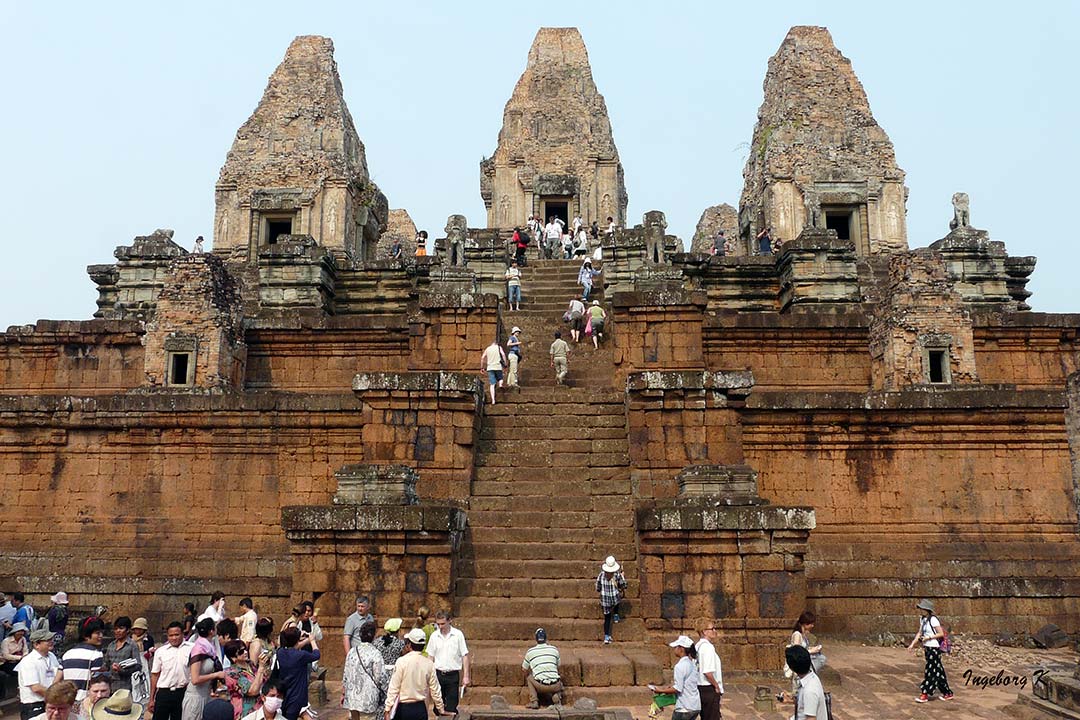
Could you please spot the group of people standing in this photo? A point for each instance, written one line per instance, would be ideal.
(555, 239)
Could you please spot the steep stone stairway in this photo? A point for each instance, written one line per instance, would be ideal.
(547, 288)
(551, 498)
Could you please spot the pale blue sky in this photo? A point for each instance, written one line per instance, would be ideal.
(117, 116)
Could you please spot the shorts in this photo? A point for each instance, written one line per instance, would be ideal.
(495, 377)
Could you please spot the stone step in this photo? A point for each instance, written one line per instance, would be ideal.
(585, 667)
(600, 481)
(503, 415)
(523, 607)
(517, 697)
(552, 503)
(512, 432)
(543, 445)
(510, 548)
(553, 459)
(497, 627)
(609, 538)
(527, 519)
(540, 569)
(540, 587)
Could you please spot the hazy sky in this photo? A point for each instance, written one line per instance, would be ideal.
(117, 117)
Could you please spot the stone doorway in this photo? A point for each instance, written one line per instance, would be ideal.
(558, 207)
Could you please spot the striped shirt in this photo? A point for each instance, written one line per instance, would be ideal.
(543, 661)
(79, 663)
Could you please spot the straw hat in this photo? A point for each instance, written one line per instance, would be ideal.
(118, 706)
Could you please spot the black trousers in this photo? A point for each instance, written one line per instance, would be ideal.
(168, 704)
(411, 711)
(29, 710)
(448, 683)
(710, 702)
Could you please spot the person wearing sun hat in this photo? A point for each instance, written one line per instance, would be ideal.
(119, 706)
(683, 691)
(610, 583)
(14, 648)
(57, 616)
(930, 635)
(390, 645)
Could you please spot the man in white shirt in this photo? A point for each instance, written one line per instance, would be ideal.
(710, 680)
(37, 671)
(810, 699)
(169, 675)
(246, 622)
(447, 648)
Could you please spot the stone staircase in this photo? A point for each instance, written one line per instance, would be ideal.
(551, 498)
(547, 288)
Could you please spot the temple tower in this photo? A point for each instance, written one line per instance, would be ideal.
(297, 166)
(818, 157)
(556, 154)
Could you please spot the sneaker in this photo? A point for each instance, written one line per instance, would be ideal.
(616, 618)
(532, 706)
(607, 639)
(947, 696)
(922, 698)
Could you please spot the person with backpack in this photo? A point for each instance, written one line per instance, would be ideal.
(931, 634)
(57, 617)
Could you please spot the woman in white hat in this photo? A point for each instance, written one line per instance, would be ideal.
(684, 685)
(610, 583)
(513, 356)
(930, 635)
(57, 616)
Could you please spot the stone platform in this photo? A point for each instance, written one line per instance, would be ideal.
(875, 683)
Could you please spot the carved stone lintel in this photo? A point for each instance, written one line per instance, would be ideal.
(724, 484)
(376, 485)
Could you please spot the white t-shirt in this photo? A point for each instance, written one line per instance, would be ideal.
(513, 276)
(811, 698)
(36, 669)
(576, 306)
(554, 232)
(933, 627)
(447, 650)
(708, 662)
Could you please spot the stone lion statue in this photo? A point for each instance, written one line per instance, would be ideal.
(961, 211)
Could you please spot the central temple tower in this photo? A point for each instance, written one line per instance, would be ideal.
(556, 154)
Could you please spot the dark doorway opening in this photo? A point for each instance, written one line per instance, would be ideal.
(840, 222)
(179, 363)
(937, 366)
(559, 209)
(276, 228)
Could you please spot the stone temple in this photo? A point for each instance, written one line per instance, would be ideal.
(556, 154)
(845, 425)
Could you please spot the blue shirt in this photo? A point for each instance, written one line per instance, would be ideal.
(293, 670)
(24, 615)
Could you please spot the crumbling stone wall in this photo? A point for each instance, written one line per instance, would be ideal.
(925, 480)
(920, 313)
(299, 158)
(95, 357)
(198, 310)
(816, 145)
(714, 219)
(555, 140)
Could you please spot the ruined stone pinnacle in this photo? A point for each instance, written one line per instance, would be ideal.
(817, 148)
(556, 142)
